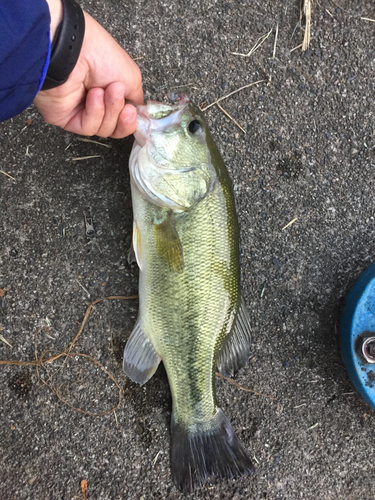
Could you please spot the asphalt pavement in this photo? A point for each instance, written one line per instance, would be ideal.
(302, 165)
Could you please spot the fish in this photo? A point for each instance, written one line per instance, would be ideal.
(192, 315)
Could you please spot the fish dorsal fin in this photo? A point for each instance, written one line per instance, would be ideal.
(235, 350)
(136, 248)
(168, 244)
(140, 358)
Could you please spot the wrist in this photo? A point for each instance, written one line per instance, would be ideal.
(67, 39)
(56, 12)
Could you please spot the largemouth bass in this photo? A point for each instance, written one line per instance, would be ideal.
(191, 313)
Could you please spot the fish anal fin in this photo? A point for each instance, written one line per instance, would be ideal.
(235, 350)
(214, 451)
(168, 244)
(140, 358)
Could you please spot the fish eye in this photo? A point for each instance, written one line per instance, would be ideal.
(194, 127)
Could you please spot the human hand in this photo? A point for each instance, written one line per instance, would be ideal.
(92, 100)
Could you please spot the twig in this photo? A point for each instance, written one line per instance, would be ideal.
(231, 381)
(274, 45)
(232, 93)
(258, 43)
(84, 139)
(230, 117)
(8, 175)
(368, 19)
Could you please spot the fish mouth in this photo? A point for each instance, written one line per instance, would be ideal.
(156, 116)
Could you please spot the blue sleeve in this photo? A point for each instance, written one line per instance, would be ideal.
(25, 49)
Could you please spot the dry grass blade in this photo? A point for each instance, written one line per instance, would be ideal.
(368, 19)
(295, 48)
(3, 339)
(289, 223)
(232, 93)
(67, 353)
(79, 158)
(258, 43)
(307, 4)
(8, 175)
(233, 382)
(84, 139)
(230, 117)
(275, 43)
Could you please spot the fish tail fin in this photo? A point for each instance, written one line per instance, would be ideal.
(213, 451)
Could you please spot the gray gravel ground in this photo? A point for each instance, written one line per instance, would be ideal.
(308, 153)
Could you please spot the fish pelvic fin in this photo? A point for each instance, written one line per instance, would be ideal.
(214, 451)
(235, 350)
(140, 358)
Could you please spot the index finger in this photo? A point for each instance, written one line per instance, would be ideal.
(134, 91)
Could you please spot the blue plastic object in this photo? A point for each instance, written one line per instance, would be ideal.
(357, 325)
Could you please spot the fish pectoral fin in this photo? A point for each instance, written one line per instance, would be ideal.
(140, 358)
(135, 252)
(168, 244)
(235, 350)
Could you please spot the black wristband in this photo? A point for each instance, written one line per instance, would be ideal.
(66, 45)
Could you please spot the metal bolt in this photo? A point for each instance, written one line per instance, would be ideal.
(368, 349)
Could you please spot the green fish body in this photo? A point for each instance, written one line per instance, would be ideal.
(191, 314)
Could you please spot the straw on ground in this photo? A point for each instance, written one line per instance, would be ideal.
(307, 5)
